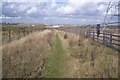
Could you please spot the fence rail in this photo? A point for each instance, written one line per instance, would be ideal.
(105, 38)
(108, 39)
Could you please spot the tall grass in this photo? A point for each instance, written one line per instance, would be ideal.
(95, 60)
(35, 56)
(25, 57)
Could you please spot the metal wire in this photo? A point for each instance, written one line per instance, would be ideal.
(107, 12)
(110, 7)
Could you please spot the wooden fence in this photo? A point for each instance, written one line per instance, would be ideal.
(108, 39)
(105, 38)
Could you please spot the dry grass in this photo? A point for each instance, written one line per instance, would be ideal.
(84, 58)
(95, 60)
(25, 57)
(14, 32)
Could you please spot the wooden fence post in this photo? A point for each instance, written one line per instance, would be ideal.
(24, 31)
(103, 38)
(111, 39)
(93, 36)
(89, 33)
(9, 35)
(19, 34)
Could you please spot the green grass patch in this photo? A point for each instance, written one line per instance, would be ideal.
(56, 62)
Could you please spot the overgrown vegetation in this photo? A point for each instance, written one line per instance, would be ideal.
(95, 60)
(25, 57)
(14, 32)
(46, 54)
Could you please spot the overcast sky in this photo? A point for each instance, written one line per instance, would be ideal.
(56, 11)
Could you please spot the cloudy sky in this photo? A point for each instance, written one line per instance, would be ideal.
(56, 11)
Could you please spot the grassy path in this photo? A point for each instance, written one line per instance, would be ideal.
(57, 61)
(47, 54)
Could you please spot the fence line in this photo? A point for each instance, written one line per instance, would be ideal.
(10, 34)
(108, 39)
(105, 38)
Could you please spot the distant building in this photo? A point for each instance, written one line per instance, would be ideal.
(33, 25)
(56, 26)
